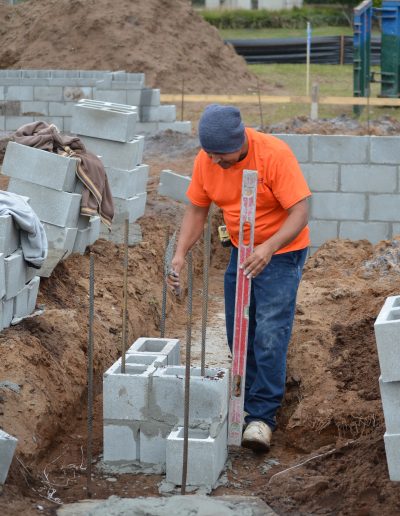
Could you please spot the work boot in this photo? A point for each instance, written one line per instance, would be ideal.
(257, 436)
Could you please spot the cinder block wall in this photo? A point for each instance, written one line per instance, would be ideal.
(355, 185)
(49, 95)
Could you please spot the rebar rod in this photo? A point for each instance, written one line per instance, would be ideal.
(90, 379)
(187, 374)
(206, 267)
(164, 289)
(125, 297)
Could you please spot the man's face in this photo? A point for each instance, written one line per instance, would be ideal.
(226, 160)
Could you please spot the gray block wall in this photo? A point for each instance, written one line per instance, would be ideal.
(355, 185)
(49, 95)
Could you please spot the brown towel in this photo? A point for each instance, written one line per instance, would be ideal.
(96, 197)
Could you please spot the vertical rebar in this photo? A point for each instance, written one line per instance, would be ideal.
(125, 297)
(90, 380)
(182, 98)
(206, 264)
(187, 374)
(164, 289)
(260, 104)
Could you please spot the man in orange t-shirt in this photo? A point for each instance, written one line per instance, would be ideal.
(281, 239)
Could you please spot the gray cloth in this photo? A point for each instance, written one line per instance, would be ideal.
(221, 130)
(33, 235)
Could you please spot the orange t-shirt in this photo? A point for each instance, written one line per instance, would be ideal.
(281, 184)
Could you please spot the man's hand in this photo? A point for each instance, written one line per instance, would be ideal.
(260, 258)
(173, 280)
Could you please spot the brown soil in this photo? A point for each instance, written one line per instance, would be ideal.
(114, 35)
(331, 418)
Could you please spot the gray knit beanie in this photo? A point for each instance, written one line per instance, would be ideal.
(221, 129)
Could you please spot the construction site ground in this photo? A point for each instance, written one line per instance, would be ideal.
(327, 455)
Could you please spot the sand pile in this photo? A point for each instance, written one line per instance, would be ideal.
(165, 39)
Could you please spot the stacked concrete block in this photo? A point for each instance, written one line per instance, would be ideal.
(174, 185)
(145, 406)
(206, 456)
(387, 334)
(54, 191)
(108, 130)
(19, 284)
(7, 449)
(50, 95)
(354, 184)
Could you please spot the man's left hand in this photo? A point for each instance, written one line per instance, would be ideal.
(256, 262)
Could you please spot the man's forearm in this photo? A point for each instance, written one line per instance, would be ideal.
(191, 228)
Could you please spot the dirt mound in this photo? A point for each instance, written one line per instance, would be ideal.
(165, 39)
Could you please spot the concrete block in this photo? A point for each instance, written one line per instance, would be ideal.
(125, 396)
(117, 234)
(32, 108)
(50, 93)
(121, 442)
(8, 444)
(33, 290)
(321, 177)
(2, 123)
(7, 312)
(131, 209)
(372, 231)
(133, 360)
(395, 229)
(110, 95)
(322, 230)
(60, 108)
(150, 97)
(338, 206)
(116, 122)
(384, 207)
(81, 241)
(61, 238)
(15, 274)
(208, 396)
(12, 123)
(116, 154)
(157, 347)
(150, 114)
(385, 149)
(153, 442)
(67, 124)
(339, 149)
(54, 257)
(127, 183)
(20, 93)
(133, 97)
(21, 303)
(9, 235)
(174, 185)
(166, 113)
(40, 167)
(148, 127)
(2, 94)
(184, 127)
(299, 143)
(2, 277)
(387, 335)
(390, 395)
(206, 456)
(95, 227)
(57, 208)
(392, 447)
(368, 178)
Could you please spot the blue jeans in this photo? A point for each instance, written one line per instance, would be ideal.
(271, 314)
